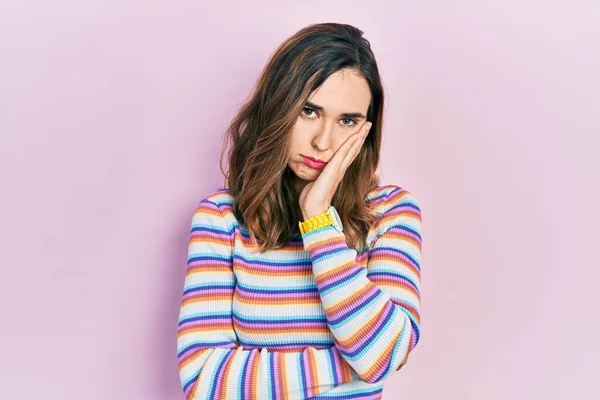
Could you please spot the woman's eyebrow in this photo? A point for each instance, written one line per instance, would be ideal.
(344, 115)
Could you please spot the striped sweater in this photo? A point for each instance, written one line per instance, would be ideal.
(313, 319)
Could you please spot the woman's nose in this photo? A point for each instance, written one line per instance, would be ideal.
(322, 139)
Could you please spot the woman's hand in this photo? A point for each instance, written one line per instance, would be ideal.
(316, 196)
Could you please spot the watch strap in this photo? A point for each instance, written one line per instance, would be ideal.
(316, 221)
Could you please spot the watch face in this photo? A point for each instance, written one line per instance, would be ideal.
(337, 222)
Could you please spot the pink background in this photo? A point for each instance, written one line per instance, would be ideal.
(111, 116)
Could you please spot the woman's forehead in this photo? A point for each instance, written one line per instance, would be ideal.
(342, 92)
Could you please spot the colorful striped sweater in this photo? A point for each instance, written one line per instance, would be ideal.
(314, 319)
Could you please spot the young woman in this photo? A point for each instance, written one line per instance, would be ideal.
(303, 275)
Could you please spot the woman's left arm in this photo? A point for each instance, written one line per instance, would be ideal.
(373, 313)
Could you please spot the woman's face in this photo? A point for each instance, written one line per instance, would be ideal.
(334, 111)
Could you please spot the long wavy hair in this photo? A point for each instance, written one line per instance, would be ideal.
(258, 138)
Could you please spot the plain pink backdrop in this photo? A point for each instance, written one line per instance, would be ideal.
(111, 116)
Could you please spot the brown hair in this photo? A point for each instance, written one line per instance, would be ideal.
(258, 178)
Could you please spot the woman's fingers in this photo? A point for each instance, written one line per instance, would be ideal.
(323, 189)
(341, 153)
(356, 145)
(336, 167)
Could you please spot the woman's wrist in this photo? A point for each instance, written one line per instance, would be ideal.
(309, 214)
(312, 211)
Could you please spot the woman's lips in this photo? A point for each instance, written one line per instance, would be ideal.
(313, 164)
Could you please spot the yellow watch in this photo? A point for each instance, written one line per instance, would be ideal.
(329, 217)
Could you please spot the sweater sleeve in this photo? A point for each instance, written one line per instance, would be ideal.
(212, 363)
(373, 312)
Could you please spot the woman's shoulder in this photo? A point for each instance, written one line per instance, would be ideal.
(219, 196)
(396, 206)
(217, 205)
(384, 197)
(381, 191)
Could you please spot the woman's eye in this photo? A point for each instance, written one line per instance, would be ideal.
(353, 122)
(307, 111)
